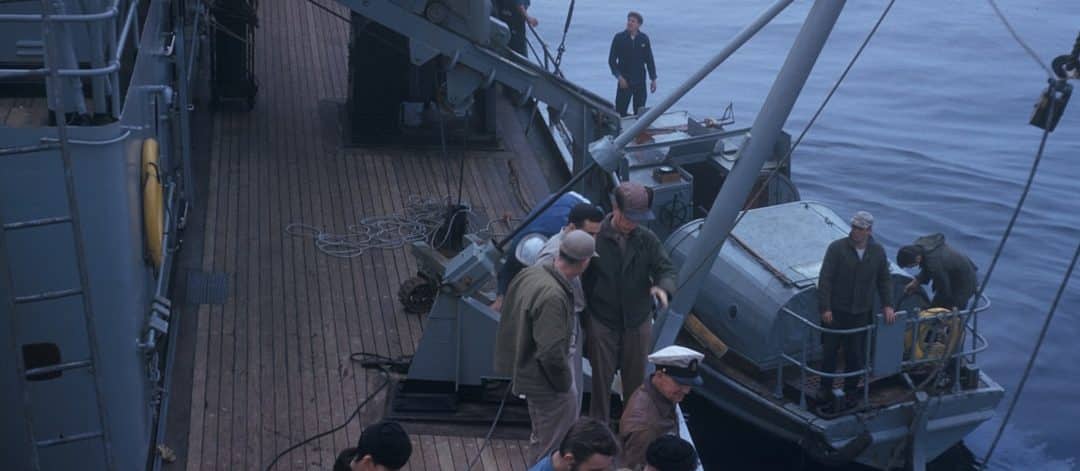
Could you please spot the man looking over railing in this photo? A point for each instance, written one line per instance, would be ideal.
(853, 269)
(952, 273)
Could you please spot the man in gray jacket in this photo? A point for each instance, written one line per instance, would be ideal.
(952, 272)
(533, 340)
(854, 269)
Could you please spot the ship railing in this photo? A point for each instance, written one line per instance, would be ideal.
(888, 361)
(104, 40)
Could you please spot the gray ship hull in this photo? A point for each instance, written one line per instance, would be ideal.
(950, 418)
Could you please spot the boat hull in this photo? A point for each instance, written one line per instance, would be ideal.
(949, 418)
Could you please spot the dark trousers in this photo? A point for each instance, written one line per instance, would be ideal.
(623, 95)
(854, 346)
(516, 22)
(609, 350)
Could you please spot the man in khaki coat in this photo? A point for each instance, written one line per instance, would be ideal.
(533, 341)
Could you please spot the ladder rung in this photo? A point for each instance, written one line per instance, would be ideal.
(68, 439)
(37, 222)
(33, 298)
(29, 149)
(44, 370)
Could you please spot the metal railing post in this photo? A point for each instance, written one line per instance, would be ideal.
(866, 366)
(802, 370)
(780, 368)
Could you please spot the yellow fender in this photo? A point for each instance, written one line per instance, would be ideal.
(153, 199)
(935, 337)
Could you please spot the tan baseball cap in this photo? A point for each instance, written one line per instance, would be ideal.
(578, 245)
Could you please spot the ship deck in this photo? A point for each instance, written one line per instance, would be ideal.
(271, 365)
(20, 112)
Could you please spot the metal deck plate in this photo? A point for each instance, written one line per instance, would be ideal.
(207, 288)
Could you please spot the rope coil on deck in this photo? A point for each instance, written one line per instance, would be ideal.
(420, 221)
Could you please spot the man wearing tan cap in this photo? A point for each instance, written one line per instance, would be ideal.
(532, 345)
(632, 268)
(854, 269)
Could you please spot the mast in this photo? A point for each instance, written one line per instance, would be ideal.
(752, 157)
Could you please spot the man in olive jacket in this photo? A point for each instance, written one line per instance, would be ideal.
(533, 340)
(952, 272)
(855, 267)
(631, 269)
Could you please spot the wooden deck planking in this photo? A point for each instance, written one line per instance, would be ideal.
(272, 363)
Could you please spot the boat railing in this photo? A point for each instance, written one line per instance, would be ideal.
(108, 41)
(890, 348)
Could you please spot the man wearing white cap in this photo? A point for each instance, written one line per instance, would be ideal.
(532, 344)
(854, 269)
(650, 412)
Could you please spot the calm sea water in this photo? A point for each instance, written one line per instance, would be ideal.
(928, 133)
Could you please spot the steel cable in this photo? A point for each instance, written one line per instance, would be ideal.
(1031, 359)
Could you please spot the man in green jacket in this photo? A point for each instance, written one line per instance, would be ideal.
(632, 268)
(533, 340)
(854, 269)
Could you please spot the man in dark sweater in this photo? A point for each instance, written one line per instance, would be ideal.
(952, 272)
(855, 267)
(631, 53)
(515, 13)
(619, 285)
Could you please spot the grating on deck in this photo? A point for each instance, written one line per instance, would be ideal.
(272, 363)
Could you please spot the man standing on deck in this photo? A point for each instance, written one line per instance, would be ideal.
(632, 268)
(515, 13)
(631, 53)
(586, 217)
(853, 269)
(532, 345)
(650, 411)
(952, 272)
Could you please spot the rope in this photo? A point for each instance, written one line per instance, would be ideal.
(421, 218)
(491, 430)
(384, 365)
(1019, 40)
(986, 278)
(562, 42)
(1064, 282)
(329, 11)
(1034, 354)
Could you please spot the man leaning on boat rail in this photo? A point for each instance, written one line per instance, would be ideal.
(854, 268)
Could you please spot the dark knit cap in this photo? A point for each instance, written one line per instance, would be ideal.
(387, 443)
(905, 257)
(671, 453)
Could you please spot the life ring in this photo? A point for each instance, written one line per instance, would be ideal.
(935, 336)
(153, 200)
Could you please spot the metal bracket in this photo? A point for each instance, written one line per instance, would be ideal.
(606, 155)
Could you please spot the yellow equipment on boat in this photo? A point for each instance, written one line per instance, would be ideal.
(936, 335)
(153, 217)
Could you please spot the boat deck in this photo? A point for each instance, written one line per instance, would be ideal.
(271, 365)
(23, 112)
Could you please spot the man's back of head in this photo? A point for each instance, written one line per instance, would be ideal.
(589, 444)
